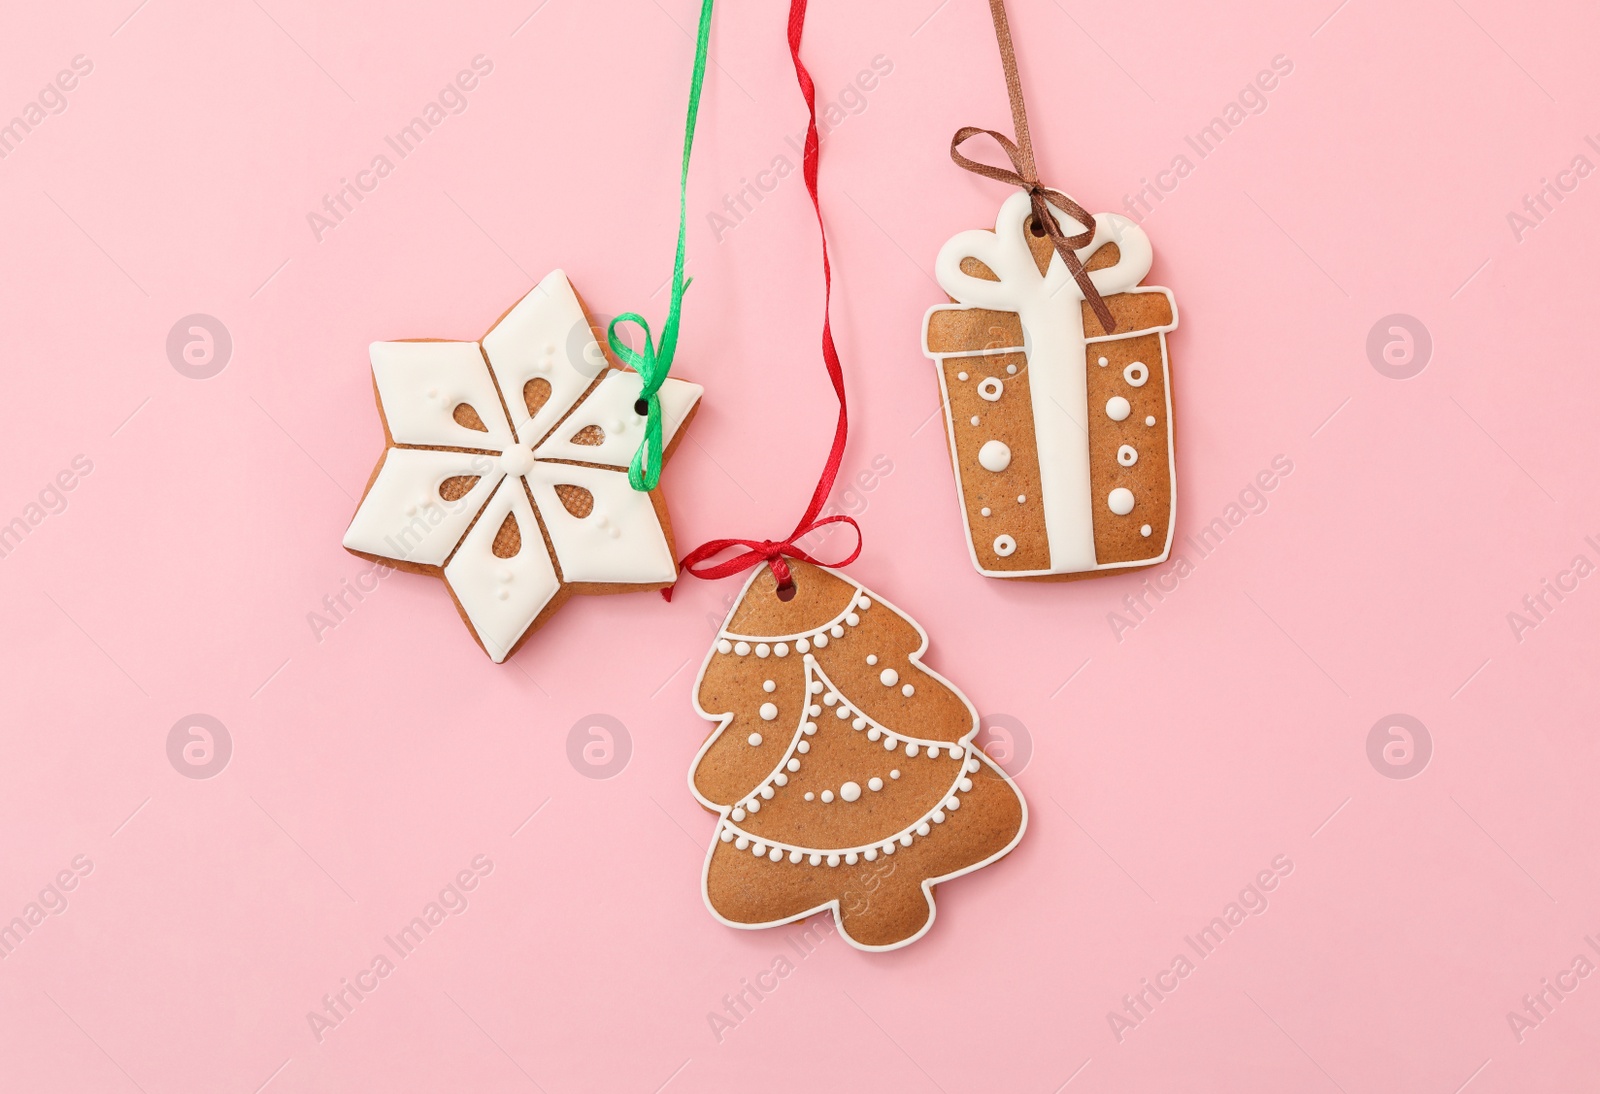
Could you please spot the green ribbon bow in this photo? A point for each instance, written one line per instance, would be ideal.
(644, 472)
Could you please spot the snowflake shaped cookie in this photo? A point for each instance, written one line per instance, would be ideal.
(506, 471)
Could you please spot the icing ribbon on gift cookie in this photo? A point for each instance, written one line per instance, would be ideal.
(653, 365)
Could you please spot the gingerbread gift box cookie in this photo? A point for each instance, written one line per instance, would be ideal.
(1060, 432)
(505, 471)
(842, 769)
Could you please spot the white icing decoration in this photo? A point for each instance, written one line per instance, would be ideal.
(1127, 455)
(1102, 362)
(827, 796)
(781, 649)
(1117, 408)
(769, 685)
(404, 518)
(742, 649)
(853, 619)
(974, 419)
(754, 739)
(874, 783)
(994, 456)
(850, 791)
(888, 678)
(872, 659)
(1011, 370)
(986, 511)
(1120, 501)
(962, 376)
(1144, 530)
(1005, 546)
(911, 750)
(908, 691)
(724, 646)
(895, 774)
(810, 796)
(763, 650)
(1022, 499)
(769, 712)
(802, 646)
(1137, 374)
(991, 389)
(1150, 419)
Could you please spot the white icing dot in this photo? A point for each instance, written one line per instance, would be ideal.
(933, 752)
(802, 646)
(833, 860)
(793, 765)
(754, 739)
(905, 840)
(922, 830)
(890, 744)
(769, 711)
(965, 785)
(836, 630)
(952, 803)
(872, 659)
(753, 806)
(908, 691)
(803, 747)
(742, 649)
(759, 850)
(991, 389)
(974, 419)
(1120, 501)
(889, 678)
(1011, 370)
(888, 848)
(994, 456)
(810, 796)
(769, 685)
(864, 603)
(850, 791)
(1103, 362)
(813, 710)
(870, 854)
(985, 511)
(1150, 419)
(820, 641)
(795, 856)
(827, 796)
(1145, 530)
(831, 698)
(815, 860)
(816, 686)
(853, 619)
(767, 792)
(1117, 408)
(843, 713)
(961, 376)
(727, 835)
(738, 815)
(938, 816)
(895, 774)
(859, 723)
(743, 841)
(1136, 374)
(850, 858)
(1022, 499)
(874, 733)
(1005, 546)
(763, 650)
(911, 749)
(781, 649)
(808, 728)
(781, 779)
(1127, 455)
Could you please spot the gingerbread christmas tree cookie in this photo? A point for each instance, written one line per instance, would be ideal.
(842, 768)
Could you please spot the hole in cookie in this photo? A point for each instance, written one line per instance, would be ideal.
(466, 416)
(575, 499)
(456, 487)
(786, 591)
(508, 540)
(591, 435)
(535, 393)
(972, 267)
(1035, 227)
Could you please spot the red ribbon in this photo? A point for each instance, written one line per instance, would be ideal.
(697, 561)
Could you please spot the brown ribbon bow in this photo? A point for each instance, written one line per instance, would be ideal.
(1026, 175)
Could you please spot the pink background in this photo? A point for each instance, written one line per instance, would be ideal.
(1167, 768)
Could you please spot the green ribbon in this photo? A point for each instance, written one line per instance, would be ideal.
(644, 472)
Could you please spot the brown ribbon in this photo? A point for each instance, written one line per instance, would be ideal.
(1026, 175)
